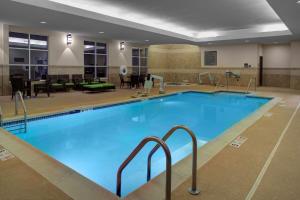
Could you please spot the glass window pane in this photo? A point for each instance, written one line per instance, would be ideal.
(89, 72)
(38, 42)
(101, 48)
(101, 72)
(89, 59)
(135, 52)
(18, 40)
(38, 72)
(89, 47)
(39, 57)
(135, 61)
(19, 71)
(144, 62)
(101, 60)
(18, 56)
(135, 70)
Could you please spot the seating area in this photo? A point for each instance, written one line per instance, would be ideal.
(132, 81)
(58, 83)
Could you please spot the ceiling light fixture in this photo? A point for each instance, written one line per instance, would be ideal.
(298, 2)
(147, 40)
(101, 32)
(43, 22)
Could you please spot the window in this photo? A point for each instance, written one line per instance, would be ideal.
(28, 55)
(139, 60)
(95, 59)
(210, 58)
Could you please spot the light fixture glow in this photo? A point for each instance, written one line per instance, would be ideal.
(101, 32)
(206, 34)
(136, 17)
(274, 27)
(147, 40)
(298, 2)
(69, 39)
(109, 12)
(43, 22)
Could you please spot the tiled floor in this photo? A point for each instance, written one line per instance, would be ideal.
(229, 175)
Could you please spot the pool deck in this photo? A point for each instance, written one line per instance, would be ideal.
(265, 167)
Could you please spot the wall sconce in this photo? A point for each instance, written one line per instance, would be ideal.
(69, 39)
(122, 46)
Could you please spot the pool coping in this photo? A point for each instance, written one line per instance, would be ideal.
(79, 187)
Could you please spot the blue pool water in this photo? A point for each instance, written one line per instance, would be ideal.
(96, 142)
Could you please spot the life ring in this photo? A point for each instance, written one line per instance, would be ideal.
(123, 70)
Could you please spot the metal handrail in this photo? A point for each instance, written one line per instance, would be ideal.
(250, 83)
(20, 96)
(193, 190)
(166, 149)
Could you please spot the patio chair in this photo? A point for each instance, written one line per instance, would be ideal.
(123, 81)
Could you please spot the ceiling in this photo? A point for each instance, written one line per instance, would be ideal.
(167, 21)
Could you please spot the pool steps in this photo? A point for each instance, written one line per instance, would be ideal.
(140, 146)
(193, 190)
(162, 143)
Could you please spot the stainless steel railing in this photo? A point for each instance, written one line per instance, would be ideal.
(250, 83)
(166, 149)
(19, 96)
(193, 190)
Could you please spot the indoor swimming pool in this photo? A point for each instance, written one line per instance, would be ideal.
(94, 142)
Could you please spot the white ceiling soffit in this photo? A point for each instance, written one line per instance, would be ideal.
(192, 27)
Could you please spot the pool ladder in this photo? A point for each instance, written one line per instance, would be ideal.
(23, 125)
(250, 83)
(161, 143)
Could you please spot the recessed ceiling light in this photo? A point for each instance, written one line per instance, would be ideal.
(298, 2)
(101, 32)
(147, 40)
(43, 22)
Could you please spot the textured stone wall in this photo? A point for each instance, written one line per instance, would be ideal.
(183, 62)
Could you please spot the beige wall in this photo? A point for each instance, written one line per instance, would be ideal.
(184, 62)
(277, 56)
(234, 56)
(295, 65)
(295, 54)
